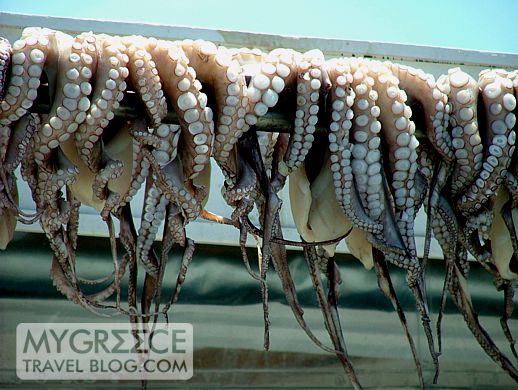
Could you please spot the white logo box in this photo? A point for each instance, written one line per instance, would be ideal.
(104, 351)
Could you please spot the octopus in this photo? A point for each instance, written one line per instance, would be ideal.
(92, 119)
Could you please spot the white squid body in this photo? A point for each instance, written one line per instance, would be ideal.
(319, 217)
(502, 249)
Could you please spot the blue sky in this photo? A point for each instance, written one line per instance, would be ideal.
(468, 24)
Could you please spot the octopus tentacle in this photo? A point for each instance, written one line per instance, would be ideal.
(397, 132)
(466, 138)
(461, 298)
(5, 59)
(29, 54)
(127, 238)
(267, 142)
(310, 80)
(109, 290)
(145, 79)
(64, 286)
(421, 87)
(215, 67)
(75, 67)
(186, 260)
(268, 208)
(152, 215)
(19, 141)
(511, 184)
(386, 286)
(29, 168)
(499, 103)
(245, 183)
(511, 221)
(341, 98)
(73, 221)
(164, 142)
(174, 233)
(16, 146)
(268, 204)
(170, 181)
(281, 266)
(5, 135)
(446, 230)
(366, 156)
(190, 104)
(107, 91)
(329, 307)
(52, 180)
(111, 171)
(508, 288)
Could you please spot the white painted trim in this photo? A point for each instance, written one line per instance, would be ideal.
(331, 47)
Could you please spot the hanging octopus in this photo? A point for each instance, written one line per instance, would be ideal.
(92, 119)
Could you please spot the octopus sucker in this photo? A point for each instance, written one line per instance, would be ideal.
(343, 135)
